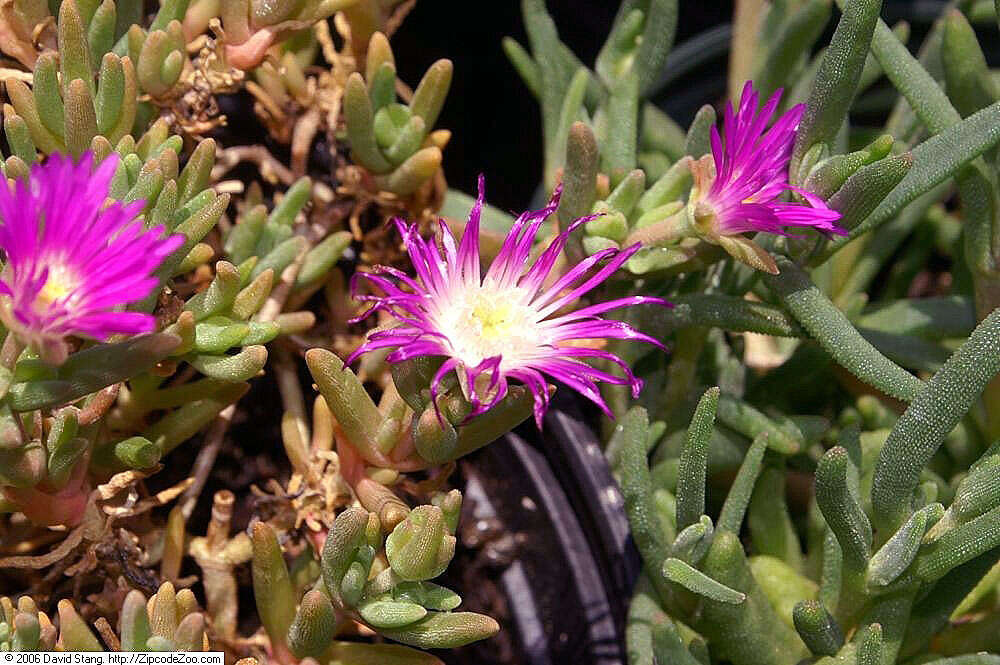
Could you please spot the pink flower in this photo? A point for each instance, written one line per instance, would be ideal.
(505, 324)
(737, 190)
(73, 262)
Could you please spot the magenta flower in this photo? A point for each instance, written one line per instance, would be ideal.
(738, 189)
(505, 324)
(72, 262)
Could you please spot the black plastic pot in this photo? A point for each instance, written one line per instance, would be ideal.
(567, 582)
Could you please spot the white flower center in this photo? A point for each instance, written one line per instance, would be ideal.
(482, 323)
(60, 283)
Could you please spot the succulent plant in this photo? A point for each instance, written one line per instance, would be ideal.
(253, 26)
(395, 141)
(160, 58)
(31, 31)
(93, 374)
(865, 579)
(168, 621)
(65, 109)
(387, 590)
(810, 474)
(76, 418)
(374, 433)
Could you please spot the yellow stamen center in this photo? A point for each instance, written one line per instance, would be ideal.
(483, 323)
(494, 318)
(60, 283)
